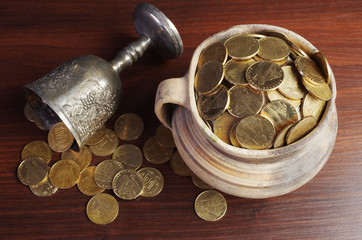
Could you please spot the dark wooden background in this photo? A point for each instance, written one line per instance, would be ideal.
(36, 36)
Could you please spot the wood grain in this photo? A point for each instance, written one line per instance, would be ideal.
(36, 36)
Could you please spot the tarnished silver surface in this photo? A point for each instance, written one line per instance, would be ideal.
(85, 91)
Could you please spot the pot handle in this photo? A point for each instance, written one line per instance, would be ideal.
(171, 91)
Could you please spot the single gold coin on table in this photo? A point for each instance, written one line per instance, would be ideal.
(64, 174)
(310, 70)
(264, 75)
(105, 172)
(37, 148)
(322, 62)
(235, 71)
(223, 125)
(30, 114)
(255, 132)
(179, 166)
(164, 137)
(244, 101)
(242, 47)
(32, 170)
(274, 95)
(86, 183)
(280, 113)
(300, 129)
(210, 205)
(313, 106)
(127, 184)
(129, 126)
(102, 209)
(97, 136)
(152, 181)
(273, 49)
(209, 77)
(129, 155)
(198, 182)
(279, 140)
(213, 105)
(322, 91)
(156, 153)
(107, 145)
(60, 138)
(44, 189)
(83, 158)
(216, 51)
(292, 86)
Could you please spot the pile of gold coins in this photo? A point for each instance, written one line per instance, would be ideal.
(258, 91)
(120, 173)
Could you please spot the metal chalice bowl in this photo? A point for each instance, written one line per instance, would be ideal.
(85, 91)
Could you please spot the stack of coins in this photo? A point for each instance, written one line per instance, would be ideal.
(258, 91)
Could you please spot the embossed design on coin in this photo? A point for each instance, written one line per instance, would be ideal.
(130, 156)
(273, 49)
(82, 158)
(37, 148)
(264, 75)
(152, 181)
(213, 105)
(64, 174)
(60, 138)
(235, 71)
(105, 172)
(210, 205)
(43, 189)
(209, 77)
(102, 209)
(107, 145)
(179, 166)
(242, 47)
(244, 101)
(127, 184)
(216, 51)
(129, 126)
(155, 153)
(86, 183)
(32, 170)
(310, 70)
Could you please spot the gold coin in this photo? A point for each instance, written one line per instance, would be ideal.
(164, 137)
(216, 51)
(244, 101)
(43, 189)
(127, 184)
(152, 181)
(279, 140)
(130, 156)
(209, 77)
(87, 184)
(256, 35)
(60, 138)
(37, 148)
(242, 47)
(41, 125)
(292, 86)
(280, 62)
(280, 113)
(107, 146)
(179, 166)
(210, 205)
(213, 105)
(97, 136)
(322, 62)
(233, 139)
(309, 70)
(83, 158)
(274, 95)
(64, 174)
(264, 75)
(105, 172)
(30, 113)
(223, 125)
(313, 106)
(32, 170)
(199, 183)
(273, 49)
(155, 153)
(102, 209)
(300, 129)
(235, 71)
(255, 132)
(129, 126)
(322, 91)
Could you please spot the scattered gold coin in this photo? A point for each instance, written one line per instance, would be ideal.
(313, 106)
(199, 183)
(210, 205)
(235, 71)
(30, 114)
(43, 189)
(291, 86)
(155, 153)
(242, 47)
(86, 183)
(279, 140)
(273, 49)
(309, 70)
(209, 77)
(82, 158)
(97, 136)
(127, 184)
(213, 105)
(223, 125)
(264, 75)
(130, 156)
(37, 148)
(102, 209)
(32, 170)
(216, 51)
(129, 126)
(164, 137)
(179, 166)
(60, 138)
(107, 145)
(105, 172)
(300, 129)
(64, 174)
(152, 181)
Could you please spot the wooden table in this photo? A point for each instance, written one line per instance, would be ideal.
(36, 36)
